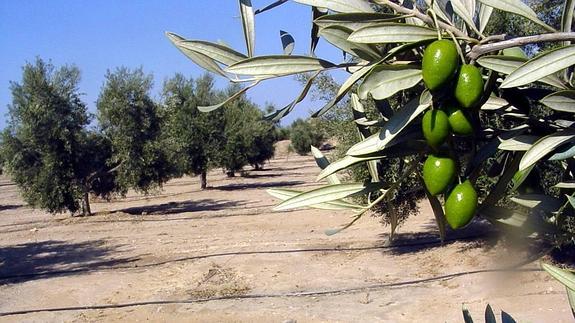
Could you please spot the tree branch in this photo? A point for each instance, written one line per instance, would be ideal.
(482, 49)
(421, 16)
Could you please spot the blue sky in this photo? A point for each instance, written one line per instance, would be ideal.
(104, 34)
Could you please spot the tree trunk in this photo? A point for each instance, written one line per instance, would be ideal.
(231, 173)
(203, 180)
(86, 203)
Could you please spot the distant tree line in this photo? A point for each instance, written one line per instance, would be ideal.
(58, 157)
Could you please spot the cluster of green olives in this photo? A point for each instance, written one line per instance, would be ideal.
(464, 86)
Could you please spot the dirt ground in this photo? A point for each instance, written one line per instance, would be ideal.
(222, 255)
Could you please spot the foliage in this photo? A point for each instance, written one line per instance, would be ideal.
(512, 139)
(304, 134)
(190, 138)
(247, 139)
(49, 152)
(131, 120)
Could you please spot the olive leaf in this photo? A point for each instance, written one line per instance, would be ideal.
(544, 146)
(348, 6)
(561, 101)
(278, 65)
(391, 129)
(323, 163)
(326, 194)
(248, 23)
(519, 8)
(356, 20)
(541, 66)
(389, 32)
(284, 194)
(386, 80)
(509, 64)
(338, 36)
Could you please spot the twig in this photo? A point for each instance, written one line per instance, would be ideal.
(419, 15)
(519, 41)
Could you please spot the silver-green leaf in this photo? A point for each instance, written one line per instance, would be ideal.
(386, 80)
(561, 101)
(389, 32)
(508, 64)
(278, 65)
(284, 194)
(545, 146)
(344, 6)
(519, 8)
(338, 35)
(326, 194)
(248, 24)
(391, 129)
(541, 66)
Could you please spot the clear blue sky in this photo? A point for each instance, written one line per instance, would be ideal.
(104, 34)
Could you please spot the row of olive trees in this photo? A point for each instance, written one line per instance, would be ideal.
(58, 158)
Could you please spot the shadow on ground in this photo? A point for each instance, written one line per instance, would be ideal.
(182, 207)
(480, 232)
(29, 261)
(244, 186)
(10, 207)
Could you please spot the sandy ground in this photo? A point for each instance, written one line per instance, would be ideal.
(222, 255)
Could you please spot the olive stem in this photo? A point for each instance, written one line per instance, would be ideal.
(434, 16)
(484, 48)
(419, 15)
(459, 51)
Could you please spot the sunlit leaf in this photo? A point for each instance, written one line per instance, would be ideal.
(462, 11)
(217, 52)
(322, 162)
(337, 36)
(202, 60)
(389, 32)
(541, 66)
(545, 146)
(390, 129)
(327, 194)
(284, 194)
(519, 8)
(508, 64)
(565, 277)
(278, 65)
(484, 15)
(494, 103)
(519, 143)
(248, 24)
(566, 184)
(561, 101)
(386, 80)
(344, 6)
(354, 21)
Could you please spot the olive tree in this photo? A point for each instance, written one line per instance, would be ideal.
(457, 106)
(190, 137)
(48, 150)
(131, 120)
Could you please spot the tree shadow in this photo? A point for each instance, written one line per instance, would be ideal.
(259, 175)
(244, 186)
(480, 232)
(10, 207)
(182, 207)
(35, 260)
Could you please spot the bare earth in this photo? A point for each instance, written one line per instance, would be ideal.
(223, 255)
